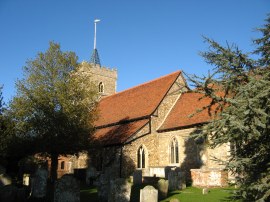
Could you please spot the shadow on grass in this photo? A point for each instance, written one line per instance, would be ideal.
(88, 194)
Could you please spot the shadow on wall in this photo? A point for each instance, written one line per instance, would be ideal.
(107, 150)
(194, 147)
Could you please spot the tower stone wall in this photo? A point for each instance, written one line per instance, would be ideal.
(104, 78)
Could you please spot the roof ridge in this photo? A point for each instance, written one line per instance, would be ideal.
(143, 84)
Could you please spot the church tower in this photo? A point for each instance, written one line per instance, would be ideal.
(104, 78)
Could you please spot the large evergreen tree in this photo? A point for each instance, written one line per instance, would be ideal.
(54, 108)
(240, 90)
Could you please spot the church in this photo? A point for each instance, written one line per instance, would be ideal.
(148, 128)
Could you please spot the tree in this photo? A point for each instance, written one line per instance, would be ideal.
(2, 122)
(7, 149)
(54, 108)
(239, 88)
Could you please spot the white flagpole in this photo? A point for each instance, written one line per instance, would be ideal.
(95, 35)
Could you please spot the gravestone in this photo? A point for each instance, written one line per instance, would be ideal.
(39, 183)
(5, 180)
(120, 190)
(148, 194)
(163, 186)
(67, 189)
(26, 179)
(103, 182)
(137, 177)
(183, 184)
(205, 191)
(91, 175)
(176, 180)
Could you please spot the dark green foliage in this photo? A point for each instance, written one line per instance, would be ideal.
(240, 88)
(264, 44)
(54, 108)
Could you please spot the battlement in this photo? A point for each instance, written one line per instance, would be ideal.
(98, 70)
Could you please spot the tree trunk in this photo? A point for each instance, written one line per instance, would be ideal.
(54, 166)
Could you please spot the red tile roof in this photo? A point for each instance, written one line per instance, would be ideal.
(187, 104)
(134, 103)
(118, 134)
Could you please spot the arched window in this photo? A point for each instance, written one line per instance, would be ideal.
(101, 87)
(62, 166)
(174, 152)
(141, 157)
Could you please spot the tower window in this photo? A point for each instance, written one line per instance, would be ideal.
(101, 87)
(174, 153)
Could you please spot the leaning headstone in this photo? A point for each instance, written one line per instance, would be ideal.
(26, 179)
(5, 180)
(174, 200)
(163, 186)
(176, 180)
(103, 182)
(8, 193)
(205, 191)
(120, 190)
(182, 178)
(148, 194)
(91, 175)
(137, 177)
(39, 183)
(103, 188)
(67, 189)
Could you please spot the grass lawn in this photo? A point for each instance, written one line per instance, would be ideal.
(193, 194)
(190, 194)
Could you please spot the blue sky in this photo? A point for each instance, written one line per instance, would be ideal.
(143, 39)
